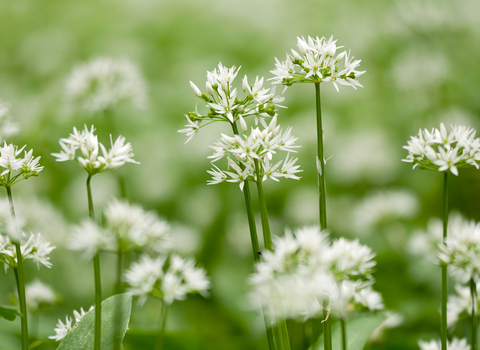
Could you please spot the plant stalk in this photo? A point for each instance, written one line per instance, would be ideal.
(444, 266)
(163, 321)
(473, 292)
(20, 279)
(343, 324)
(98, 282)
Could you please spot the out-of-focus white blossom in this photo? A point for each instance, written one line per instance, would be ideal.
(152, 277)
(15, 168)
(90, 238)
(38, 296)
(317, 61)
(7, 126)
(443, 150)
(103, 83)
(33, 248)
(459, 303)
(63, 328)
(90, 159)
(455, 344)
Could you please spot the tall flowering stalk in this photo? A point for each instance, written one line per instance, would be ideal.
(444, 151)
(226, 105)
(317, 62)
(15, 168)
(119, 154)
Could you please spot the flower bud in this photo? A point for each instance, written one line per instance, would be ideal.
(341, 56)
(209, 88)
(195, 89)
(243, 124)
(245, 85)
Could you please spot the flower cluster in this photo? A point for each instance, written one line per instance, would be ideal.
(64, 328)
(462, 252)
(103, 83)
(459, 304)
(333, 276)
(7, 126)
(39, 296)
(455, 344)
(225, 104)
(15, 168)
(443, 150)
(87, 142)
(34, 248)
(317, 62)
(250, 156)
(167, 282)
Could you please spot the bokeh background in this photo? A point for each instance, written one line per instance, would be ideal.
(422, 65)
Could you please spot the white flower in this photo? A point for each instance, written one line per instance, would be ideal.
(14, 168)
(455, 344)
(143, 276)
(350, 258)
(317, 62)
(370, 299)
(32, 248)
(63, 328)
(39, 295)
(90, 239)
(103, 83)
(87, 142)
(444, 151)
(459, 303)
(7, 126)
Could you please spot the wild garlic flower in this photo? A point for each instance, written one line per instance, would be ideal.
(244, 153)
(104, 83)
(90, 238)
(15, 168)
(317, 61)
(39, 296)
(33, 248)
(7, 126)
(455, 344)
(459, 303)
(64, 328)
(90, 159)
(444, 150)
(225, 103)
(462, 252)
(135, 228)
(152, 277)
(10, 226)
(327, 280)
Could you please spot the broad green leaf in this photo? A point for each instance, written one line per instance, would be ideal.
(9, 312)
(359, 331)
(35, 344)
(115, 316)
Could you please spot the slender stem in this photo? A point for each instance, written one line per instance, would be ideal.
(98, 282)
(20, 279)
(444, 267)
(473, 292)
(118, 284)
(322, 201)
(163, 321)
(256, 249)
(343, 324)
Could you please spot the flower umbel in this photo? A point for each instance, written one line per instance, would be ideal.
(15, 168)
(63, 328)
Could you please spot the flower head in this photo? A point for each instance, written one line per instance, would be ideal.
(103, 83)
(443, 150)
(455, 344)
(39, 296)
(317, 61)
(14, 167)
(63, 328)
(90, 238)
(7, 126)
(32, 248)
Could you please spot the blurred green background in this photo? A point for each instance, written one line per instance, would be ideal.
(421, 59)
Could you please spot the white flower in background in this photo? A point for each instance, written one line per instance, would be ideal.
(383, 206)
(350, 258)
(462, 252)
(87, 142)
(443, 150)
(247, 152)
(455, 344)
(33, 248)
(7, 126)
(63, 328)
(148, 277)
(10, 226)
(317, 62)
(15, 168)
(136, 229)
(104, 83)
(38, 296)
(90, 238)
(227, 105)
(459, 303)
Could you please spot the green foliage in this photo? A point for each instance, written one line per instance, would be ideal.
(9, 312)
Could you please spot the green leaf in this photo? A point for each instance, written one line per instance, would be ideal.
(115, 316)
(9, 313)
(359, 331)
(35, 344)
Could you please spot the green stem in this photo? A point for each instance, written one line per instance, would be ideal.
(163, 321)
(255, 249)
(322, 201)
(118, 284)
(444, 266)
(473, 292)
(20, 279)
(343, 324)
(98, 282)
